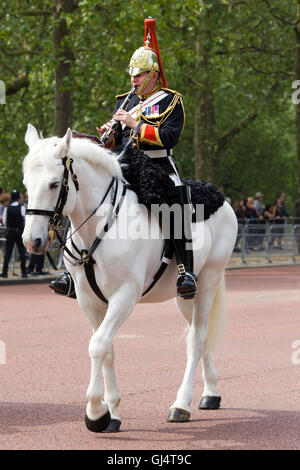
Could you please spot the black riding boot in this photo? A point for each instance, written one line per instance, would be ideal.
(187, 281)
(64, 285)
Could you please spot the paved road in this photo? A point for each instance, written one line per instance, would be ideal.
(44, 380)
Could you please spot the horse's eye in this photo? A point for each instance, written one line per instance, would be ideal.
(54, 185)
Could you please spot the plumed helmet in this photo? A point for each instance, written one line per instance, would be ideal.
(143, 59)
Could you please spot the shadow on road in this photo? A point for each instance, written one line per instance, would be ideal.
(257, 429)
(14, 416)
(221, 429)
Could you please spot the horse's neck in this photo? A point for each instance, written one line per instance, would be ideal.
(93, 184)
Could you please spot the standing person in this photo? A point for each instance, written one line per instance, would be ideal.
(252, 218)
(269, 213)
(1, 205)
(239, 210)
(36, 264)
(4, 202)
(155, 117)
(258, 205)
(279, 219)
(297, 223)
(14, 221)
(281, 197)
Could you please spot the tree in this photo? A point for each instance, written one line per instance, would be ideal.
(63, 62)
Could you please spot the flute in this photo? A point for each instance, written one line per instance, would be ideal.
(124, 105)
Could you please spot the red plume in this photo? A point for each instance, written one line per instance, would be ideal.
(150, 28)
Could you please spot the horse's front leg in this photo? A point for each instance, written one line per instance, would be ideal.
(111, 392)
(120, 305)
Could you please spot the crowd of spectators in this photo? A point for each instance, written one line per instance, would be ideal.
(12, 221)
(254, 208)
(253, 211)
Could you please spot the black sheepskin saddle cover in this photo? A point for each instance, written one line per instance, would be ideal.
(153, 185)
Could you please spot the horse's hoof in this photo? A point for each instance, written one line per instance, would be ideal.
(114, 426)
(177, 415)
(99, 425)
(209, 403)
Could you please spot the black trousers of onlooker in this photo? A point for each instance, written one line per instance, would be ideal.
(12, 238)
(36, 262)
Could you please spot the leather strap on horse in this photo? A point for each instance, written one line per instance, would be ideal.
(107, 226)
(86, 255)
(90, 273)
(168, 253)
(63, 242)
(56, 214)
(129, 142)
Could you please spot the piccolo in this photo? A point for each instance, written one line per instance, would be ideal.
(123, 106)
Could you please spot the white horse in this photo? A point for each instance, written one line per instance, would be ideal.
(124, 269)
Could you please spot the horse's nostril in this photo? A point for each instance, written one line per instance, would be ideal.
(37, 243)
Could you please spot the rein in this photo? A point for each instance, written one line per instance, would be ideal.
(86, 255)
(56, 215)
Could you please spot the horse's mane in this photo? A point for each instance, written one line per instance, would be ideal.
(95, 155)
(44, 153)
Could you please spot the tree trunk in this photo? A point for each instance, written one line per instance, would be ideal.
(63, 117)
(204, 115)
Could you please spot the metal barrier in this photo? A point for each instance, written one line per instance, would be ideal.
(255, 240)
(269, 241)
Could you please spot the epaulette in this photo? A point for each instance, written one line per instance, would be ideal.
(172, 91)
(122, 95)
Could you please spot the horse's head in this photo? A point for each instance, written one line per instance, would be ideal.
(43, 178)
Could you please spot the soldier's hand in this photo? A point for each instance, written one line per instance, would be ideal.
(125, 118)
(104, 127)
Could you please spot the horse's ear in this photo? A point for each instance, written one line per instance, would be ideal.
(31, 136)
(67, 139)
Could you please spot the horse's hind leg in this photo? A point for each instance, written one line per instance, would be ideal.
(196, 338)
(210, 398)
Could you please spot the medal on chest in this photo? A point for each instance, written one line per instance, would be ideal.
(151, 111)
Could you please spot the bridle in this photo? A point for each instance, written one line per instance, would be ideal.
(86, 258)
(56, 215)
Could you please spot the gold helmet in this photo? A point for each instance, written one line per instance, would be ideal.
(143, 59)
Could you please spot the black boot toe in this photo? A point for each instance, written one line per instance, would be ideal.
(63, 285)
(186, 285)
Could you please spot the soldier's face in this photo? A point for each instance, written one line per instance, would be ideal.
(138, 80)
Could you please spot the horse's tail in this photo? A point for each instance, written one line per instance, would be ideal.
(217, 318)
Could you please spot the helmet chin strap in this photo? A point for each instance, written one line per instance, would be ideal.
(146, 81)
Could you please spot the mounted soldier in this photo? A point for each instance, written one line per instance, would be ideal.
(151, 119)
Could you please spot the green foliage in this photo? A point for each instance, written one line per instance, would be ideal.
(248, 49)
